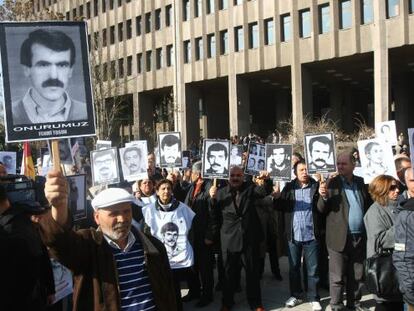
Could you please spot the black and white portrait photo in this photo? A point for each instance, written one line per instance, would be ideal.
(320, 153)
(236, 155)
(47, 164)
(77, 196)
(134, 161)
(278, 161)
(65, 151)
(387, 132)
(376, 159)
(256, 160)
(186, 159)
(169, 145)
(8, 159)
(47, 86)
(105, 166)
(103, 144)
(411, 143)
(216, 162)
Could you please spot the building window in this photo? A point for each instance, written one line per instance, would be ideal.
(67, 16)
(104, 34)
(129, 29)
(105, 71)
(186, 10)
(210, 6)
(168, 15)
(95, 7)
(170, 55)
(224, 42)
(393, 8)
(187, 51)
(253, 35)
(113, 70)
(345, 14)
(159, 63)
(74, 13)
(103, 6)
(238, 2)
(139, 62)
(120, 32)
(198, 6)
(148, 22)
(199, 48)
(111, 4)
(367, 12)
(239, 39)
(305, 23)
(411, 6)
(157, 19)
(81, 10)
(112, 35)
(129, 65)
(121, 67)
(148, 60)
(119, 3)
(286, 30)
(223, 4)
(211, 45)
(269, 31)
(138, 25)
(324, 18)
(88, 10)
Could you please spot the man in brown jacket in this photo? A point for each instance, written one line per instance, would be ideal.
(115, 266)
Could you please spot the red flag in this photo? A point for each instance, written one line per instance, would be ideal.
(27, 168)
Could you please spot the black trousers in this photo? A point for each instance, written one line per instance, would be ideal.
(346, 270)
(249, 260)
(389, 306)
(204, 264)
(189, 275)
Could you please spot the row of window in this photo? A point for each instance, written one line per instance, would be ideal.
(210, 7)
(118, 66)
(105, 4)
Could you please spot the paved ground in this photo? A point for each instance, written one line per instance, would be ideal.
(274, 295)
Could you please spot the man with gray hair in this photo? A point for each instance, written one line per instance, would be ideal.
(198, 198)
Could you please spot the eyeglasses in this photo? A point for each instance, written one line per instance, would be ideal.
(393, 187)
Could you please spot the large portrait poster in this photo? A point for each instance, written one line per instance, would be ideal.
(105, 166)
(47, 85)
(387, 132)
(256, 160)
(8, 158)
(77, 196)
(279, 161)
(169, 145)
(320, 153)
(134, 161)
(376, 159)
(216, 160)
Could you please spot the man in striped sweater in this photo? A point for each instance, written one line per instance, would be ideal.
(115, 267)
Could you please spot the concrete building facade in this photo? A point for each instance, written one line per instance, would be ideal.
(230, 67)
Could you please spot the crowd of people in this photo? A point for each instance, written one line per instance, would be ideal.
(143, 239)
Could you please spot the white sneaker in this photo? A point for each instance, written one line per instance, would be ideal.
(292, 302)
(316, 306)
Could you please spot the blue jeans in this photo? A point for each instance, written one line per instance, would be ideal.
(310, 251)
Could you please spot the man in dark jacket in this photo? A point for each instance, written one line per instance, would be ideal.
(25, 268)
(198, 199)
(345, 200)
(114, 266)
(298, 202)
(234, 214)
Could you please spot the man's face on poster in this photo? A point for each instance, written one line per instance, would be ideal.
(170, 238)
(234, 151)
(171, 153)
(278, 156)
(64, 151)
(132, 160)
(50, 72)
(103, 166)
(376, 153)
(320, 154)
(217, 160)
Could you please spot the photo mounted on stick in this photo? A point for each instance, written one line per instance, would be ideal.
(256, 160)
(169, 144)
(65, 151)
(236, 155)
(8, 158)
(47, 85)
(134, 161)
(320, 153)
(216, 160)
(376, 159)
(103, 144)
(279, 161)
(387, 132)
(105, 166)
(77, 196)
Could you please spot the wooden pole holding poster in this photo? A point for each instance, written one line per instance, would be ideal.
(215, 182)
(56, 155)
